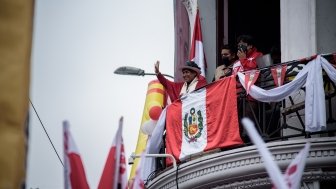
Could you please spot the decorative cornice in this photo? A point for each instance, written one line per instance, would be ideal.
(307, 177)
(245, 164)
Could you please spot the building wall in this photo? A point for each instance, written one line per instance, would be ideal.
(298, 29)
(208, 23)
(308, 27)
(326, 26)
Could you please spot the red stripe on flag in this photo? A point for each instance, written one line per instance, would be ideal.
(197, 35)
(107, 178)
(222, 115)
(77, 174)
(174, 131)
(196, 51)
(74, 173)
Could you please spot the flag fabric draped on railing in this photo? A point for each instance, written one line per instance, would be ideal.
(310, 77)
(74, 174)
(203, 120)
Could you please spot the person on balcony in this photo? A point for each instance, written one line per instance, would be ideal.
(192, 80)
(247, 54)
(224, 68)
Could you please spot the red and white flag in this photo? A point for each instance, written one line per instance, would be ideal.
(203, 120)
(114, 174)
(196, 50)
(292, 177)
(250, 78)
(295, 169)
(271, 167)
(74, 173)
(278, 74)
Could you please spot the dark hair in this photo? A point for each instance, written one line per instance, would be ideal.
(246, 39)
(229, 47)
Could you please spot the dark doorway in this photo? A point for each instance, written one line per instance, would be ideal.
(261, 19)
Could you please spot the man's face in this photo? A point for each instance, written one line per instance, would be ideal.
(226, 53)
(188, 75)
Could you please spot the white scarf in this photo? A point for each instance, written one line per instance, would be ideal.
(187, 89)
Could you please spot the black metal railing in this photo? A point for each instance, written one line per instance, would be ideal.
(271, 118)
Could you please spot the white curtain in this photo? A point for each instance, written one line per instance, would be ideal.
(310, 77)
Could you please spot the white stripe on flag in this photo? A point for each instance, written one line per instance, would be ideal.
(199, 56)
(192, 109)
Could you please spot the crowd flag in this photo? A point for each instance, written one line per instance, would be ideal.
(196, 122)
(292, 177)
(74, 173)
(196, 50)
(114, 174)
(295, 169)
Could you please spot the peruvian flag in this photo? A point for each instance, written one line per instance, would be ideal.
(278, 74)
(250, 78)
(196, 51)
(114, 174)
(203, 120)
(74, 174)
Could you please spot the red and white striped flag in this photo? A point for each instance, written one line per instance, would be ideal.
(114, 174)
(278, 74)
(203, 120)
(250, 78)
(74, 173)
(197, 51)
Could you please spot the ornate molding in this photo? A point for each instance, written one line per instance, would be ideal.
(244, 165)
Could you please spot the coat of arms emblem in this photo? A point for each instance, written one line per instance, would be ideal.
(193, 125)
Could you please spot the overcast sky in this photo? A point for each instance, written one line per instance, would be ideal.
(77, 45)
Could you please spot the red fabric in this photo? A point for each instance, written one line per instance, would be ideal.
(114, 174)
(174, 88)
(73, 166)
(174, 130)
(222, 115)
(221, 118)
(107, 178)
(250, 63)
(77, 174)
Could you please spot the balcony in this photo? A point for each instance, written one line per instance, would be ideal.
(282, 126)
